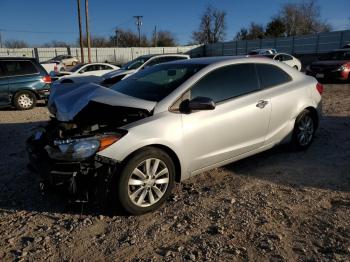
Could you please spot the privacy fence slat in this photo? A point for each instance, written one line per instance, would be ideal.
(306, 44)
(117, 55)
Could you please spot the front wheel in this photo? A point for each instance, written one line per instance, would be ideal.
(304, 130)
(24, 100)
(146, 181)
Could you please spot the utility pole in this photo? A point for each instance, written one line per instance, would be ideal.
(155, 36)
(116, 38)
(0, 39)
(139, 24)
(87, 29)
(80, 34)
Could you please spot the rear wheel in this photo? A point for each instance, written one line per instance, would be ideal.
(304, 130)
(24, 100)
(145, 181)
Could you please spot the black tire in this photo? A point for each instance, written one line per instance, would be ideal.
(304, 130)
(122, 190)
(24, 100)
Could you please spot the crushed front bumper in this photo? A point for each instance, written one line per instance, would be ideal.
(86, 181)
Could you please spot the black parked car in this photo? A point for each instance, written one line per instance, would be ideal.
(333, 65)
(22, 82)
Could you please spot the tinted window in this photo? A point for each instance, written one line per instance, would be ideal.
(287, 57)
(12, 68)
(156, 82)
(271, 75)
(105, 67)
(227, 82)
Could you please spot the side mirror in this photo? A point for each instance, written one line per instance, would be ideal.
(197, 103)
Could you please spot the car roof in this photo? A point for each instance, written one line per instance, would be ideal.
(218, 59)
(161, 55)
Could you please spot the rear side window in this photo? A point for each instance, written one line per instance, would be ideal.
(227, 82)
(13, 68)
(271, 75)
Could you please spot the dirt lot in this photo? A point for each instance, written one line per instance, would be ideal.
(276, 206)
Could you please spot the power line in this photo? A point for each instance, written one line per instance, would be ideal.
(35, 32)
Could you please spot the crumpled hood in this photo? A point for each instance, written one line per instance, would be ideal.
(66, 101)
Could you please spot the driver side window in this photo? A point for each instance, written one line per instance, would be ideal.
(227, 82)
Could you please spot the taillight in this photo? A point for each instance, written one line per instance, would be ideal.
(46, 79)
(55, 68)
(319, 88)
(346, 67)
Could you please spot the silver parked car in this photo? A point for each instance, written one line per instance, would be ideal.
(131, 142)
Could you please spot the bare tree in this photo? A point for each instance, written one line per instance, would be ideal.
(303, 18)
(242, 34)
(163, 38)
(55, 43)
(255, 31)
(13, 43)
(212, 27)
(127, 38)
(97, 41)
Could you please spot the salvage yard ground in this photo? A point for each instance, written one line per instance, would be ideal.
(276, 206)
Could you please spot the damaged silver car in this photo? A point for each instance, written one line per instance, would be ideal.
(131, 142)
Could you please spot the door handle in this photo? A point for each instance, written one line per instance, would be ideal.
(262, 103)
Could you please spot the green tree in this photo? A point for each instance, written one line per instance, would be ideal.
(275, 28)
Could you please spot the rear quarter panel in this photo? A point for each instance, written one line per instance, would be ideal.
(287, 102)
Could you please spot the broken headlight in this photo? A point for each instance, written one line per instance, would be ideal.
(79, 149)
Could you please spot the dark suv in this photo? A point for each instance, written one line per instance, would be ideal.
(22, 82)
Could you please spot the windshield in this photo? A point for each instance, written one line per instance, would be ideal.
(76, 68)
(136, 63)
(155, 83)
(336, 55)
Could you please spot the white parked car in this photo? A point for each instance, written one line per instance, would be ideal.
(287, 59)
(132, 141)
(65, 60)
(263, 51)
(92, 69)
(126, 70)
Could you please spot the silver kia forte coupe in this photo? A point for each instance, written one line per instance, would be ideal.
(131, 142)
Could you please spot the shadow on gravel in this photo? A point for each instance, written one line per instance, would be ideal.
(324, 165)
(40, 103)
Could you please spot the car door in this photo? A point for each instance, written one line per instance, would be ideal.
(23, 74)
(4, 86)
(236, 126)
(104, 69)
(89, 70)
(278, 86)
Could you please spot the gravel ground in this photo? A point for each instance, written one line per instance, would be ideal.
(275, 206)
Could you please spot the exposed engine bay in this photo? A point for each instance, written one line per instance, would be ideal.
(64, 153)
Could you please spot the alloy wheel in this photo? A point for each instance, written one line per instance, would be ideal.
(148, 182)
(305, 130)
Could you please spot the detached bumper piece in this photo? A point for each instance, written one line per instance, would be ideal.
(85, 181)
